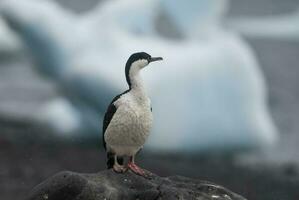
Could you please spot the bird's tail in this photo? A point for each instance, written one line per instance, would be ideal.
(110, 160)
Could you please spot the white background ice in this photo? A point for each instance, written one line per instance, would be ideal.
(208, 92)
(280, 26)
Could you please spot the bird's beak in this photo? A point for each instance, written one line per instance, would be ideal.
(153, 59)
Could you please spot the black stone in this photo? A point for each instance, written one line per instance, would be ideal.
(113, 186)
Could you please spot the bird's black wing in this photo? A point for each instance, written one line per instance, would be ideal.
(107, 118)
(109, 114)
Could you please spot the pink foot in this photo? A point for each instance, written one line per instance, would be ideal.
(137, 170)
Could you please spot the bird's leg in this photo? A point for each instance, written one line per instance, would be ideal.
(117, 167)
(132, 166)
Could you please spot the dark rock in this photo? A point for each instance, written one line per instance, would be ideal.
(110, 185)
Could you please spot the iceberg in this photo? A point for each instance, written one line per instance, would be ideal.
(209, 92)
(9, 41)
(281, 27)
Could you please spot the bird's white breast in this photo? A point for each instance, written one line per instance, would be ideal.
(130, 125)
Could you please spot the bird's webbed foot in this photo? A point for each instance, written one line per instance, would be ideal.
(136, 169)
(119, 168)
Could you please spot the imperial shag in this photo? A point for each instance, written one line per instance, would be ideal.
(128, 119)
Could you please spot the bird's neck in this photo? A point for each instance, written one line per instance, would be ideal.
(137, 86)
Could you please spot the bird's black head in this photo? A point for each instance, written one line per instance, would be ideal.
(138, 61)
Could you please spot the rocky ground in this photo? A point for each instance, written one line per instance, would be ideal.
(23, 167)
(110, 185)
